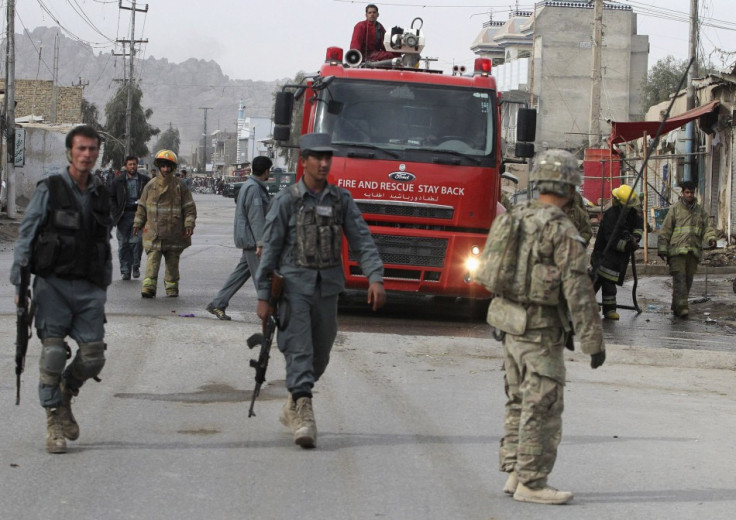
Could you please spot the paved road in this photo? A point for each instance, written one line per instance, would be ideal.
(409, 413)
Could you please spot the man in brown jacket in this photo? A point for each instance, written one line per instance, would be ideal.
(166, 213)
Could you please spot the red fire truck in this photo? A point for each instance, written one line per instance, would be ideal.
(420, 152)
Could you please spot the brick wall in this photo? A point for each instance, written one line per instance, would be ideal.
(34, 97)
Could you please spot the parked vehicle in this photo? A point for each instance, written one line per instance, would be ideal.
(276, 183)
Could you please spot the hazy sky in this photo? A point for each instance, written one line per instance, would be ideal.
(274, 39)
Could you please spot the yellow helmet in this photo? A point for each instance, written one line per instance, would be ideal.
(165, 155)
(625, 195)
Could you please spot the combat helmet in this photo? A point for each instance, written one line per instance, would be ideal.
(625, 195)
(554, 171)
(165, 156)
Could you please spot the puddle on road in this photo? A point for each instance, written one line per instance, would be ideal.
(214, 393)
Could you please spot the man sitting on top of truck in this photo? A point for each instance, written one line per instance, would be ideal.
(368, 37)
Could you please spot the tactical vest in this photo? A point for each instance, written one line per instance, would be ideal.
(66, 244)
(318, 231)
(517, 261)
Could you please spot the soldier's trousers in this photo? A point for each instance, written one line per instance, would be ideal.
(247, 267)
(74, 308)
(171, 260)
(534, 378)
(682, 269)
(307, 340)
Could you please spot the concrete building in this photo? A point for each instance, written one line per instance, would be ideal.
(544, 58)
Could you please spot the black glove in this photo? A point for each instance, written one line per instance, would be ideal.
(633, 244)
(598, 359)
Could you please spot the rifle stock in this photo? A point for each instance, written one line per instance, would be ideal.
(270, 324)
(23, 326)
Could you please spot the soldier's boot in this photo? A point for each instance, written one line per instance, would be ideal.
(511, 483)
(148, 288)
(172, 289)
(305, 428)
(69, 425)
(288, 414)
(545, 495)
(55, 442)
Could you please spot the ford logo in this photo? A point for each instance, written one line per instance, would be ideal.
(402, 176)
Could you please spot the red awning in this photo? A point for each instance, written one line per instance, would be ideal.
(630, 130)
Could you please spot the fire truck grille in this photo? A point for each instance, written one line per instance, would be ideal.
(410, 251)
(401, 210)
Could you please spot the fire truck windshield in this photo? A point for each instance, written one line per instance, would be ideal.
(408, 118)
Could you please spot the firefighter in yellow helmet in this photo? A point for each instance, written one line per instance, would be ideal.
(611, 261)
(166, 214)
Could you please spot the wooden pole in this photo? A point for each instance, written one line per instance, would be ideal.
(644, 202)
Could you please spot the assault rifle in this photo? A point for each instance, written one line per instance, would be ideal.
(23, 325)
(270, 324)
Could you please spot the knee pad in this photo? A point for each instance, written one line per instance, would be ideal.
(53, 359)
(88, 362)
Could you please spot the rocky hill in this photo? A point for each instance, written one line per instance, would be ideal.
(174, 91)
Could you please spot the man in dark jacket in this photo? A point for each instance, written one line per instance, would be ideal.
(125, 193)
(610, 268)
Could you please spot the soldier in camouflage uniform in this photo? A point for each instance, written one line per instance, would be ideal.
(578, 215)
(549, 280)
(680, 243)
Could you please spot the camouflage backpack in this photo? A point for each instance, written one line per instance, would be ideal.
(512, 264)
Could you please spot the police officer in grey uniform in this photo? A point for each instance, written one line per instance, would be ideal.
(250, 219)
(65, 238)
(303, 241)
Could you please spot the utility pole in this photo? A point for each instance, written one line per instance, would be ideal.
(55, 87)
(10, 109)
(204, 139)
(690, 163)
(594, 132)
(132, 42)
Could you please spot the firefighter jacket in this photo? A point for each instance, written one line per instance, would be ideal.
(613, 264)
(166, 208)
(684, 230)
(119, 195)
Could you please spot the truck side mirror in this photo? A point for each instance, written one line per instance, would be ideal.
(281, 132)
(526, 131)
(284, 108)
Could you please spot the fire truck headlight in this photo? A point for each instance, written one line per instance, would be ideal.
(471, 264)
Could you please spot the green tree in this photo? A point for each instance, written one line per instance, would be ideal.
(91, 115)
(141, 132)
(664, 77)
(168, 140)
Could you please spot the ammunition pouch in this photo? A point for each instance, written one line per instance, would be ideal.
(508, 316)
